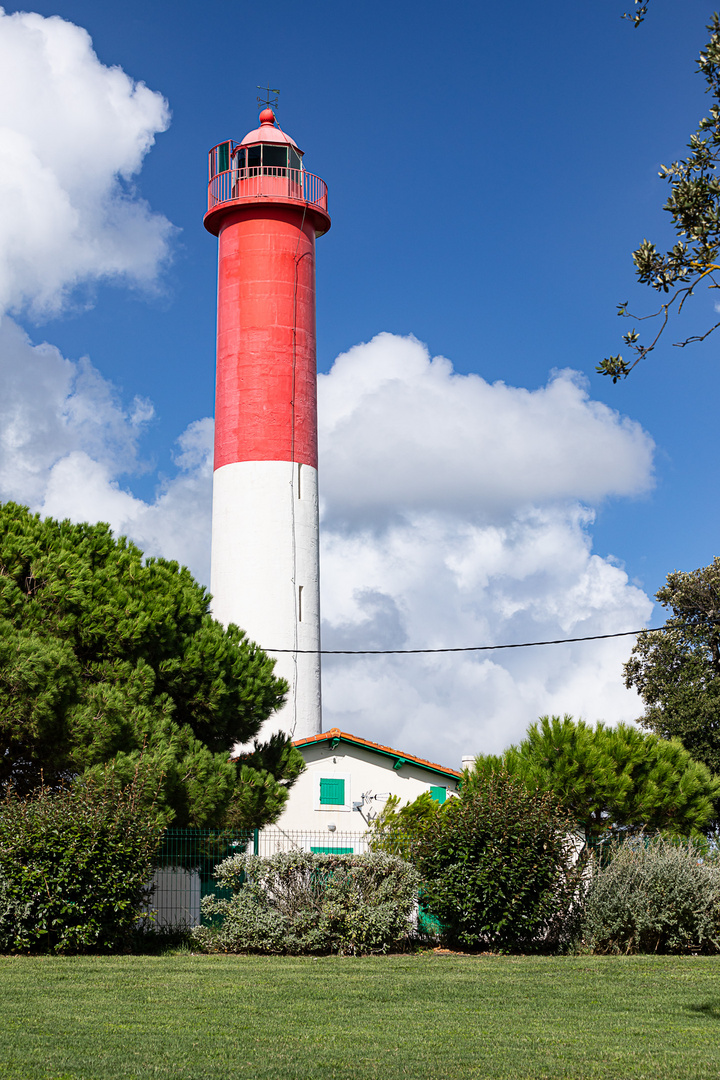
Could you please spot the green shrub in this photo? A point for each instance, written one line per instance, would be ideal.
(397, 828)
(654, 895)
(74, 867)
(299, 902)
(501, 868)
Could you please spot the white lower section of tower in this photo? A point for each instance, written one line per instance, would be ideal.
(265, 574)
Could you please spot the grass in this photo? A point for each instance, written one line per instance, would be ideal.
(426, 1017)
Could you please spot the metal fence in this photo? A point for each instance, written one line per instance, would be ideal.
(272, 840)
(187, 859)
(184, 872)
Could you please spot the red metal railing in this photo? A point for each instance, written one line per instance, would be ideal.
(239, 184)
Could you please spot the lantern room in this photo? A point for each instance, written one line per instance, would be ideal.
(266, 165)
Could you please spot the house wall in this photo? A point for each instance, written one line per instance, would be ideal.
(363, 770)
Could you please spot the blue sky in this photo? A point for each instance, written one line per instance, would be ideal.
(490, 168)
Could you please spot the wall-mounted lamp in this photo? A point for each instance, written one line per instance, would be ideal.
(332, 827)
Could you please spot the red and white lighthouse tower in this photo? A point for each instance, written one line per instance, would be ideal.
(266, 211)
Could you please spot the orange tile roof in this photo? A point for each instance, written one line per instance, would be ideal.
(336, 733)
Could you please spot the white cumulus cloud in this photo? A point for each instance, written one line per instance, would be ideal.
(401, 430)
(73, 134)
(69, 448)
(459, 513)
(433, 582)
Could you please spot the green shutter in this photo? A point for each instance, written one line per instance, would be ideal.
(332, 792)
(439, 794)
(332, 850)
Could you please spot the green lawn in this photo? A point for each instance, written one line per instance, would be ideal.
(425, 1017)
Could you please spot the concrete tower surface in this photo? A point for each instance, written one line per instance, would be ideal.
(266, 211)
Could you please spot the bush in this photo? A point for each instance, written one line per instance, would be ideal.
(654, 896)
(298, 902)
(500, 867)
(74, 868)
(397, 829)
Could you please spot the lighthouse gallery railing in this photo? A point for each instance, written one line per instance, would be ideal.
(240, 184)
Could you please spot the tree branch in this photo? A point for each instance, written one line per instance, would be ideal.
(694, 204)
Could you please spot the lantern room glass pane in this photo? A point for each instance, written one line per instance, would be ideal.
(240, 159)
(275, 157)
(223, 157)
(253, 157)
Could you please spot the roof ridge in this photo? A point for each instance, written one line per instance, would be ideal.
(335, 733)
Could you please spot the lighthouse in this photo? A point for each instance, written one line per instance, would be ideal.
(266, 210)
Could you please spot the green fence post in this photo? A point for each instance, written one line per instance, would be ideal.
(256, 841)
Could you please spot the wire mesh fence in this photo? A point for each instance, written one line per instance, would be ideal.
(273, 840)
(187, 859)
(184, 873)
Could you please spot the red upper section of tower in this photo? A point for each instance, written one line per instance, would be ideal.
(266, 211)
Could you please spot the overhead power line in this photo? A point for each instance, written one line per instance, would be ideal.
(466, 648)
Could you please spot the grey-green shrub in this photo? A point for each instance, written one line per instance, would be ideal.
(654, 895)
(297, 902)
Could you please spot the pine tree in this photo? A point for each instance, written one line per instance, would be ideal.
(110, 659)
(609, 779)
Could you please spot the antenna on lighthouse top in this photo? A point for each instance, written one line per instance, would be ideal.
(270, 99)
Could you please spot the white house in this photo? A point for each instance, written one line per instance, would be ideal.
(346, 781)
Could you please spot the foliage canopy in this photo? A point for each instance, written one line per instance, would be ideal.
(300, 902)
(74, 866)
(654, 895)
(107, 657)
(676, 670)
(397, 828)
(609, 779)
